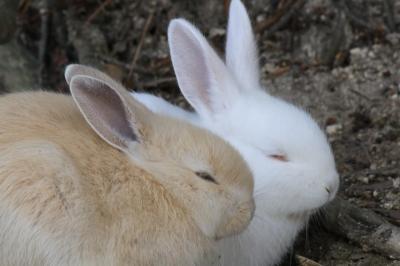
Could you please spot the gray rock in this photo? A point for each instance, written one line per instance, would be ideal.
(8, 13)
(88, 41)
(17, 68)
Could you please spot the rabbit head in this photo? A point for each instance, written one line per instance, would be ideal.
(289, 155)
(207, 176)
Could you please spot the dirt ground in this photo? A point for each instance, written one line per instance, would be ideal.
(340, 60)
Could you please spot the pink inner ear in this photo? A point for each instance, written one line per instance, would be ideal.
(279, 157)
(104, 110)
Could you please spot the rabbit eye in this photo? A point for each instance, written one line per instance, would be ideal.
(275, 154)
(206, 176)
(279, 157)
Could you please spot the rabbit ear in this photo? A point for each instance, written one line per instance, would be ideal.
(241, 49)
(106, 110)
(202, 76)
(76, 69)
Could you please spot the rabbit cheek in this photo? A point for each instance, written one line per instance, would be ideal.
(238, 221)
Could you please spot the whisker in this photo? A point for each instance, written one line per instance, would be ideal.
(257, 194)
(307, 232)
(291, 255)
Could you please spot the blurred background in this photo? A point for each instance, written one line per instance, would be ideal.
(339, 59)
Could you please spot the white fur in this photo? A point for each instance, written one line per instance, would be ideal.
(161, 106)
(231, 103)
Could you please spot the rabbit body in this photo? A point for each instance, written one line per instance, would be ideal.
(67, 197)
(289, 155)
(67, 202)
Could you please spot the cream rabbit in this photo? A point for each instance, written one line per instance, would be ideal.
(98, 179)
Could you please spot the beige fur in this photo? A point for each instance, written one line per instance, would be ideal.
(68, 197)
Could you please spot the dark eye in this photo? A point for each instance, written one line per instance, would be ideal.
(206, 176)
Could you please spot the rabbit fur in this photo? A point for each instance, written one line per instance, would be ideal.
(98, 179)
(289, 155)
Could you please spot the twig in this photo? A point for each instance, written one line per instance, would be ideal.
(8, 26)
(226, 6)
(3, 88)
(357, 20)
(363, 226)
(393, 216)
(337, 37)
(383, 171)
(136, 68)
(44, 37)
(23, 6)
(140, 44)
(279, 71)
(375, 186)
(388, 9)
(158, 82)
(286, 17)
(282, 16)
(96, 12)
(280, 3)
(360, 94)
(306, 262)
(268, 22)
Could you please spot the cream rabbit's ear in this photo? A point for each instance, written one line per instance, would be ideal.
(77, 69)
(114, 118)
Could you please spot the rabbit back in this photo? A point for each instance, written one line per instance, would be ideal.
(65, 197)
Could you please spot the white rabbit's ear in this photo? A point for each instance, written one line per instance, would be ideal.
(112, 115)
(202, 76)
(241, 49)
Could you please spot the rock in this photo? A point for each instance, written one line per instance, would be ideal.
(358, 55)
(333, 129)
(328, 35)
(88, 40)
(17, 68)
(8, 14)
(396, 182)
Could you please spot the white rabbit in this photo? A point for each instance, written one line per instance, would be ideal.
(289, 155)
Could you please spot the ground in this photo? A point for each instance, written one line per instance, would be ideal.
(340, 60)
